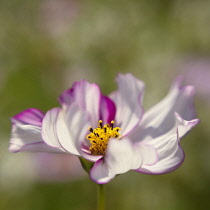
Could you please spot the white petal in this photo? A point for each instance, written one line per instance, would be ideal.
(85, 153)
(170, 153)
(171, 156)
(87, 96)
(121, 156)
(148, 153)
(28, 138)
(72, 127)
(184, 126)
(128, 102)
(160, 119)
(49, 130)
(100, 173)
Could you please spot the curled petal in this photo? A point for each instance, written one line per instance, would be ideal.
(28, 138)
(65, 128)
(72, 126)
(170, 158)
(26, 133)
(87, 96)
(185, 126)
(100, 173)
(128, 102)
(49, 130)
(85, 153)
(121, 156)
(160, 119)
(170, 153)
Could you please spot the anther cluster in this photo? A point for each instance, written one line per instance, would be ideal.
(99, 137)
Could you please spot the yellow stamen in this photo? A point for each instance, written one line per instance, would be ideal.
(99, 137)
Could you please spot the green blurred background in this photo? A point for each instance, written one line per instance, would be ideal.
(45, 45)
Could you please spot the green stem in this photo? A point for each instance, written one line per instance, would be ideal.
(101, 191)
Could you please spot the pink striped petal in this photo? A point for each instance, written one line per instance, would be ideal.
(30, 116)
(87, 96)
(107, 110)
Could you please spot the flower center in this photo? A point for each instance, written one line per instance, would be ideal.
(99, 137)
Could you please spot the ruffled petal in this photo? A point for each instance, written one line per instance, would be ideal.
(170, 153)
(160, 119)
(100, 173)
(128, 102)
(28, 138)
(170, 158)
(121, 156)
(30, 116)
(87, 96)
(185, 126)
(72, 127)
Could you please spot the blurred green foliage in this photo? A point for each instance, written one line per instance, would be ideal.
(47, 44)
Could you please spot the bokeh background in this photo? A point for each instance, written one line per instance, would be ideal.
(45, 45)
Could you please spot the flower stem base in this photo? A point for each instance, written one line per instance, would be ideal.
(101, 194)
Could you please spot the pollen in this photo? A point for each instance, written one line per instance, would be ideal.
(99, 137)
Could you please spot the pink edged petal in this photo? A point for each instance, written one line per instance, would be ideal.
(170, 153)
(28, 138)
(34, 147)
(49, 130)
(185, 126)
(121, 156)
(171, 157)
(72, 127)
(128, 100)
(87, 96)
(160, 118)
(30, 116)
(100, 173)
(107, 110)
(67, 97)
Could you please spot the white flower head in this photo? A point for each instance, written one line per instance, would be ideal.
(111, 131)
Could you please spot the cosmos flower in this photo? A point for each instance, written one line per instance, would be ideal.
(112, 132)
